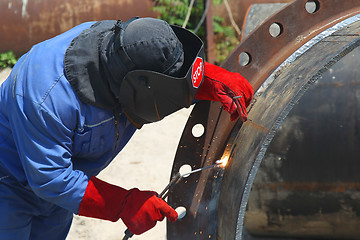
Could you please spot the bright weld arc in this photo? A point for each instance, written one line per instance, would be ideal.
(223, 161)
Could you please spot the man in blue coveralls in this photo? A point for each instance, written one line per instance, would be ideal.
(72, 103)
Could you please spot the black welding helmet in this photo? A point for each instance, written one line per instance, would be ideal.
(153, 87)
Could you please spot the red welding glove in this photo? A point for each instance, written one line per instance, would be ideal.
(231, 89)
(139, 210)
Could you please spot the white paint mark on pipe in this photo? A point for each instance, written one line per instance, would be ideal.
(24, 13)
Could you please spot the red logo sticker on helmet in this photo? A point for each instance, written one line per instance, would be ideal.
(197, 72)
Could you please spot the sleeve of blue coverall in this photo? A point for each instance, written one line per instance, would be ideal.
(44, 144)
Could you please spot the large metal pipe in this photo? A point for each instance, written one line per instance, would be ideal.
(308, 183)
(24, 23)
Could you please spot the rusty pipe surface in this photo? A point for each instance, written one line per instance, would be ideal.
(280, 68)
(24, 23)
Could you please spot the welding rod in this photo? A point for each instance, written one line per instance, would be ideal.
(173, 182)
(200, 169)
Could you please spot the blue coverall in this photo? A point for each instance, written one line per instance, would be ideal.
(50, 144)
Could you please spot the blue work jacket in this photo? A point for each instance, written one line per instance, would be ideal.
(50, 142)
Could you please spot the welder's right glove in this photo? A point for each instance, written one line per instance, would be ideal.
(139, 210)
(231, 89)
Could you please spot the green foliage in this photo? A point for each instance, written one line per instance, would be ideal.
(217, 2)
(174, 12)
(7, 59)
(225, 38)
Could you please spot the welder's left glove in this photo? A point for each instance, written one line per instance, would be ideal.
(231, 89)
(139, 210)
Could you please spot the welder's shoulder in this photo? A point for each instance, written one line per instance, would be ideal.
(42, 68)
(39, 77)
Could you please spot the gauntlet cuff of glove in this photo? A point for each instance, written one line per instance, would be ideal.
(103, 200)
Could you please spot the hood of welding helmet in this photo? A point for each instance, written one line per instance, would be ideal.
(149, 92)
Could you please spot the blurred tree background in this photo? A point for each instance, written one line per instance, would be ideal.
(191, 13)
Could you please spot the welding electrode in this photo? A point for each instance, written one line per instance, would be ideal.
(173, 182)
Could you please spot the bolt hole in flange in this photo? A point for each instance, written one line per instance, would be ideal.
(198, 130)
(244, 59)
(181, 211)
(185, 169)
(312, 6)
(276, 29)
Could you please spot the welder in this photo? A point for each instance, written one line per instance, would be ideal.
(71, 104)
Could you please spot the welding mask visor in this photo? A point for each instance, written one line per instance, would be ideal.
(149, 96)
